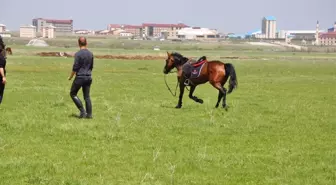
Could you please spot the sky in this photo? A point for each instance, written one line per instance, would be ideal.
(238, 16)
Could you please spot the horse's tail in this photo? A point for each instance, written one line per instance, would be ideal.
(230, 71)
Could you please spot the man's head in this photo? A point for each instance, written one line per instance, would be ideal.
(82, 42)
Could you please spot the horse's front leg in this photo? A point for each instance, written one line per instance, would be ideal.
(179, 104)
(192, 89)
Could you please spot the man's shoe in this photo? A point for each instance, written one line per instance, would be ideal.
(82, 115)
(88, 116)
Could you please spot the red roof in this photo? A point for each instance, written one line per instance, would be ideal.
(124, 26)
(59, 21)
(164, 25)
(114, 25)
(56, 21)
(328, 35)
(132, 26)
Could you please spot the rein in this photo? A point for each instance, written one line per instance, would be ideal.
(177, 84)
(169, 87)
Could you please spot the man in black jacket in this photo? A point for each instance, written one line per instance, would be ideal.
(2, 68)
(82, 67)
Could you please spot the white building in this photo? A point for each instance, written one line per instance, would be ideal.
(256, 34)
(268, 27)
(298, 34)
(62, 26)
(125, 34)
(2, 28)
(195, 33)
(48, 31)
(28, 31)
(84, 32)
(4, 34)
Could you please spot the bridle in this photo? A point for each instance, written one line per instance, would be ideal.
(165, 79)
(177, 83)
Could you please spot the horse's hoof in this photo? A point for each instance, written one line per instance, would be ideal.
(200, 101)
(216, 106)
(178, 106)
(226, 107)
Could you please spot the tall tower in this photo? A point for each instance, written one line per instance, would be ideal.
(268, 27)
(317, 39)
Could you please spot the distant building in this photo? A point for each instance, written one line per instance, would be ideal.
(268, 27)
(298, 34)
(84, 32)
(4, 34)
(2, 28)
(333, 29)
(104, 32)
(235, 36)
(134, 29)
(61, 26)
(150, 29)
(328, 38)
(28, 31)
(117, 32)
(125, 34)
(48, 31)
(3, 31)
(256, 34)
(159, 30)
(197, 33)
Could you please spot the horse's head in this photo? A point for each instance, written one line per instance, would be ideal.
(173, 60)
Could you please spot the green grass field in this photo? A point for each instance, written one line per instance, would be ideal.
(280, 128)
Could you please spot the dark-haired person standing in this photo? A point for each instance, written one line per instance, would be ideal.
(2, 68)
(82, 67)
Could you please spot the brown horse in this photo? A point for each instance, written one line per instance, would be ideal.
(215, 72)
(9, 51)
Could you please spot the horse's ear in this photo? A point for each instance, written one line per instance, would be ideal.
(168, 54)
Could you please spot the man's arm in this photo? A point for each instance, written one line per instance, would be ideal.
(2, 71)
(92, 63)
(71, 75)
(75, 67)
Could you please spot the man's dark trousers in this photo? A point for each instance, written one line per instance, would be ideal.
(83, 82)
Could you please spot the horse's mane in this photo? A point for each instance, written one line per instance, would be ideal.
(179, 59)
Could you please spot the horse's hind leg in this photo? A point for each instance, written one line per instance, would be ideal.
(192, 89)
(220, 96)
(224, 98)
(222, 91)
